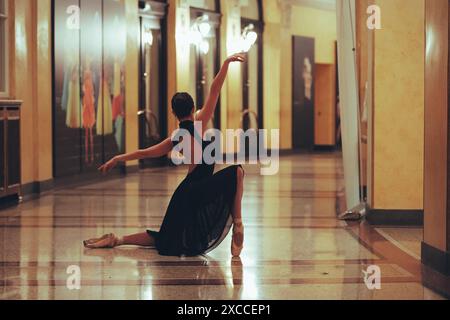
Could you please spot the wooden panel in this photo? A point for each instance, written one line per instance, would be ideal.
(447, 215)
(9, 148)
(13, 160)
(436, 123)
(325, 105)
(2, 152)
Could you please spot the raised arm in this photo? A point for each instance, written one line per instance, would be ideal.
(156, 151)
(207, 112)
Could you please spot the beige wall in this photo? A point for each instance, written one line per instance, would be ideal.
(132, 77)
(398, 115)
(308, 22)
(31, 82)
(272, 66)
(318, 24)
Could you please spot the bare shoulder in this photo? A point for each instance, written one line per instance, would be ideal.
(199, 116)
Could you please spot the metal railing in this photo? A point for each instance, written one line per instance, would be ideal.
(149, 116)
(249, 113)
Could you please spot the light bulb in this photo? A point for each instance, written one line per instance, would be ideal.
(195, 37)
(148, 37)
(204, 47)
(204, 28)
(245, 45)
(252, 36)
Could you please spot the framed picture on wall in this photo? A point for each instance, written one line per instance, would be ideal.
(303, 69)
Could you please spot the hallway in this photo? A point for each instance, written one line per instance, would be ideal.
(295, 248)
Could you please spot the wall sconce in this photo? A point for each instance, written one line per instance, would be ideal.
(199, 32)
(248, 38)
(144, 6)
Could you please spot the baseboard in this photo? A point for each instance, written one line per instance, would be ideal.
(395, 217)
(324, 148)
(37, 187)
(9, 201)
(436, 281)
(291, 152)
(436, 259)
(284, 152)
(131, 169)
(33, 189)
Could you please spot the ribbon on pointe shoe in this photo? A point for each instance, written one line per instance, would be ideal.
(237, 243)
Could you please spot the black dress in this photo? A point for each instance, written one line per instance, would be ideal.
(199, 214)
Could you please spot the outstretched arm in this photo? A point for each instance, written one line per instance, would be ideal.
(207, 112)
(153, 152)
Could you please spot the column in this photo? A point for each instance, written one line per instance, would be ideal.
(396, 120)
(436, 244)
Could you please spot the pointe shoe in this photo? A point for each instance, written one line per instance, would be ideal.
(237, 243)
(94, 240)
(107, 241)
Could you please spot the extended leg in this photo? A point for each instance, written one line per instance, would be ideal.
(237, 243)
(237, 206)
(111, 241)
(140, 239)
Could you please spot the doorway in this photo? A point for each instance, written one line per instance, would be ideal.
(152, 78)
(252, 25)
(205, 57)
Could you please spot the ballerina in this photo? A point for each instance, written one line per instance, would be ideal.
(205, 205)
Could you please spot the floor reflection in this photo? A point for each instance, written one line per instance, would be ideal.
(203, 271)
(295, 248)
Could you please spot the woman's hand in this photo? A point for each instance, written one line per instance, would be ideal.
(239, 57)
(108, 166)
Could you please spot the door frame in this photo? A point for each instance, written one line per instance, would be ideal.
(259, 29)
(159, 12)
(293, 94)
(215, 20)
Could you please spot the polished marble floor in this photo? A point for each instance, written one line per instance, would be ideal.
(295, 248)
